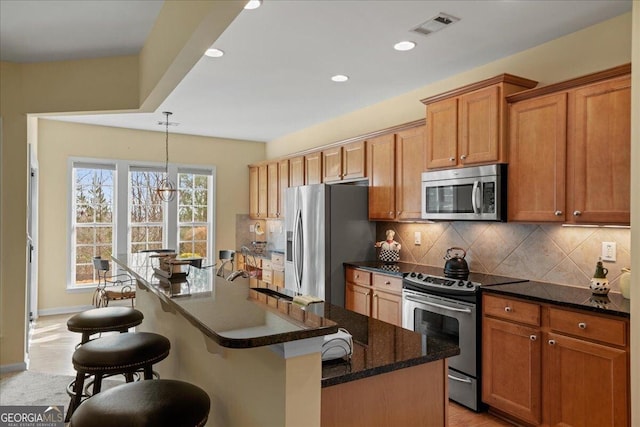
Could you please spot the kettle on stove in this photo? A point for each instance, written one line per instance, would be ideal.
(456, 267)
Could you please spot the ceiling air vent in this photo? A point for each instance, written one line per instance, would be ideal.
(434, 24)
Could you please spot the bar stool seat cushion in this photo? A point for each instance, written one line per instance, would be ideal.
(105, 319)
(156, 403)
(119, 353)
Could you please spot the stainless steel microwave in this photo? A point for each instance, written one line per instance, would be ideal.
(476, 193)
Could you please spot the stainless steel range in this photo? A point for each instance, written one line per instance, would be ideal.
(450, 309)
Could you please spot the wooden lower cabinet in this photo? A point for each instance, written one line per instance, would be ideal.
(586, 384)
(511, 355)
(375, 295)
(571, 371)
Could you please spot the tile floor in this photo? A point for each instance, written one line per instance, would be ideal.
(52, 345)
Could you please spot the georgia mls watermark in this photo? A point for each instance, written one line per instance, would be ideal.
(31, 416)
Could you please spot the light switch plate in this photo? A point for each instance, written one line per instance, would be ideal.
(417, 238)
(252, 228)
(609, 251)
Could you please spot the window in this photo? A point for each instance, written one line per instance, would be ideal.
(146, 220)
(93, 225)
(114, 209)
(193, 220)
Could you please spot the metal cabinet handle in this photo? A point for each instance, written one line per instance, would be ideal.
(387, 283)
(533, 337)
(577, 213)
(582, 325)
(552, 342)
(452, 159)
(557, 213)
(391, 213)
(464, 156)
(507, 309)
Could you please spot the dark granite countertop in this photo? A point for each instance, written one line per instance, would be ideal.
(224, 311)
(566, 296)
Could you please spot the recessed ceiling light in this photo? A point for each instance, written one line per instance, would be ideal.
(253, 4)
(340, 78)
(214, 53)
(404, 45)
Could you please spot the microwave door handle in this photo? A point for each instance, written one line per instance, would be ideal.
(475, 198)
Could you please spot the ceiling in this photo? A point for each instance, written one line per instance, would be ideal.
(274, 78)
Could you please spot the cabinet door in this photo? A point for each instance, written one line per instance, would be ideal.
(537, 159)
(599, 153)
(262, 191)
(296, 171)
(313, 168)
(586, 384)
(358, 299)
(283, 184)
(353, 160)
(387, 307)
(511, 369)
(479, 120)
(253, 192)
(332, 164)
(442, 133)
(381, 167)
(273, 195)
(410, 163)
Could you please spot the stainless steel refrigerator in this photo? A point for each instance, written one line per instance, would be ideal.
(326, 225)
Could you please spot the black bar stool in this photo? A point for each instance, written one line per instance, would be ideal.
(106, 319)
(116, 354)
(158, 403)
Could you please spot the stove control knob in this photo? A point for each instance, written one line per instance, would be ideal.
(469, 285)
(420, 276)
(461, 283)
(448, 283)
(413, 274)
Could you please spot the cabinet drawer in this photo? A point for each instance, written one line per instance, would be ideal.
(267, 276)
(510, 309)
(388, 283)
(277, 260)
(612, 331)
(266, 264)
(358, 276)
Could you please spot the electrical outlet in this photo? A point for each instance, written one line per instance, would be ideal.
(417, 238)
(252, 228)
(609, 251)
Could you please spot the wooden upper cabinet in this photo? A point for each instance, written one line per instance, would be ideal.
(313, 168)
(478, 127)
(410, 163)
(332, 164)
(599, 148)
(442, 134)
(296, 171)
(283, 184)
(381, 171)
(353, 160)
(570, 146)
(258, 191)
(467, 126)
(273, 193)
(345, 162)
(537, 154)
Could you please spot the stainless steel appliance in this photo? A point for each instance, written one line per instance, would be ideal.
(474, 193)
(325, 226)
(450, 308)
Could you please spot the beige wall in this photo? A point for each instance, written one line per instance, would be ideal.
(58, 141)
(595, 48)
(107, 84)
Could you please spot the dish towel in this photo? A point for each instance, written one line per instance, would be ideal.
(306, 299)
(338, 345)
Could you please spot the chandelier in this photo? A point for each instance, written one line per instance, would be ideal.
(166, 189)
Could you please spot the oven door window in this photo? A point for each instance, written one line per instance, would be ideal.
(449, 199)
(436, 325)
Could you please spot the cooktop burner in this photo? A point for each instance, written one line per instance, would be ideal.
(431, 283)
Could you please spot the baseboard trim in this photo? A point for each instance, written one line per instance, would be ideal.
(14, 367)
(64, 310)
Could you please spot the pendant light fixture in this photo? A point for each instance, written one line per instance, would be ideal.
(166, 189)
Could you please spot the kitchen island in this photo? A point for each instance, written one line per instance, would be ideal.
(258, 356)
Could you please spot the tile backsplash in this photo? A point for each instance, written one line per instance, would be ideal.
(548, 253)
(274, 233)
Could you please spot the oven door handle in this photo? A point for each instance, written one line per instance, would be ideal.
(461, 380)
(445, 307)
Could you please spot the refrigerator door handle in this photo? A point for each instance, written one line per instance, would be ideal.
(297, 249)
